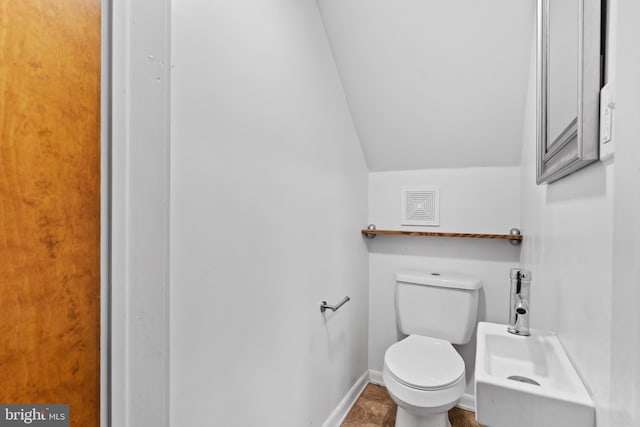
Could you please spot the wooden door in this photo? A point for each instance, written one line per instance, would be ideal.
(50, 205)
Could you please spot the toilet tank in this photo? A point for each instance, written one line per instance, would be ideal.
(437, 304)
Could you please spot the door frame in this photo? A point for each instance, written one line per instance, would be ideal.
(105, 211)
(135, 216)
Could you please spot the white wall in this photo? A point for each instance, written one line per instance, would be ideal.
(472, 200)
(568, 247)
(269, 192)
(625, 325)
(433, 84)
(580, 245)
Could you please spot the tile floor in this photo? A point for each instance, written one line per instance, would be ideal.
(375, 408)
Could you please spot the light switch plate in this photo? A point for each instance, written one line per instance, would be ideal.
(607, 108)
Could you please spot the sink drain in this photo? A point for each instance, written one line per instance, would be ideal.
(523, 379)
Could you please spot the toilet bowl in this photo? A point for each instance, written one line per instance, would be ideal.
(425, 377)
(423, 373)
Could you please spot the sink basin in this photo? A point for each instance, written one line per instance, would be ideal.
(527, 381)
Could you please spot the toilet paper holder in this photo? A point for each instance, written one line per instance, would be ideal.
(324, 306)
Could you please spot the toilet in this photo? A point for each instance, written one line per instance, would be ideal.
(423, 373)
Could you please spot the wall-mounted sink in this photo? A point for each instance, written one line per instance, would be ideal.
(527, 381)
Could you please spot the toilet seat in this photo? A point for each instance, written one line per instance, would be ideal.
(424, 363)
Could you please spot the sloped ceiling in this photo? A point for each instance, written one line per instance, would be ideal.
(434, 83)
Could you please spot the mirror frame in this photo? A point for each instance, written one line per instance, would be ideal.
(578, 144)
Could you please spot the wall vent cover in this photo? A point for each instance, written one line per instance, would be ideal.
(421, 205)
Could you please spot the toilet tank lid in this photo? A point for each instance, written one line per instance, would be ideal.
(440, 279)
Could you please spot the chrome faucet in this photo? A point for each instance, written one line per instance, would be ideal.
(519, 302)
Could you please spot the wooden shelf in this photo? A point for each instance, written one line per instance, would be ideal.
(433, 234)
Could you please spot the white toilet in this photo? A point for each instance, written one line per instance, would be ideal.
(423, 373)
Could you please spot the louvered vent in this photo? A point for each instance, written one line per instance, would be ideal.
(420, 205)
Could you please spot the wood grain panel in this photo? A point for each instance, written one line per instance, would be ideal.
(50, 204)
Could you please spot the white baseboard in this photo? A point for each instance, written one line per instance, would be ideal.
(375, 377)
(342, 410)
(468, 402)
